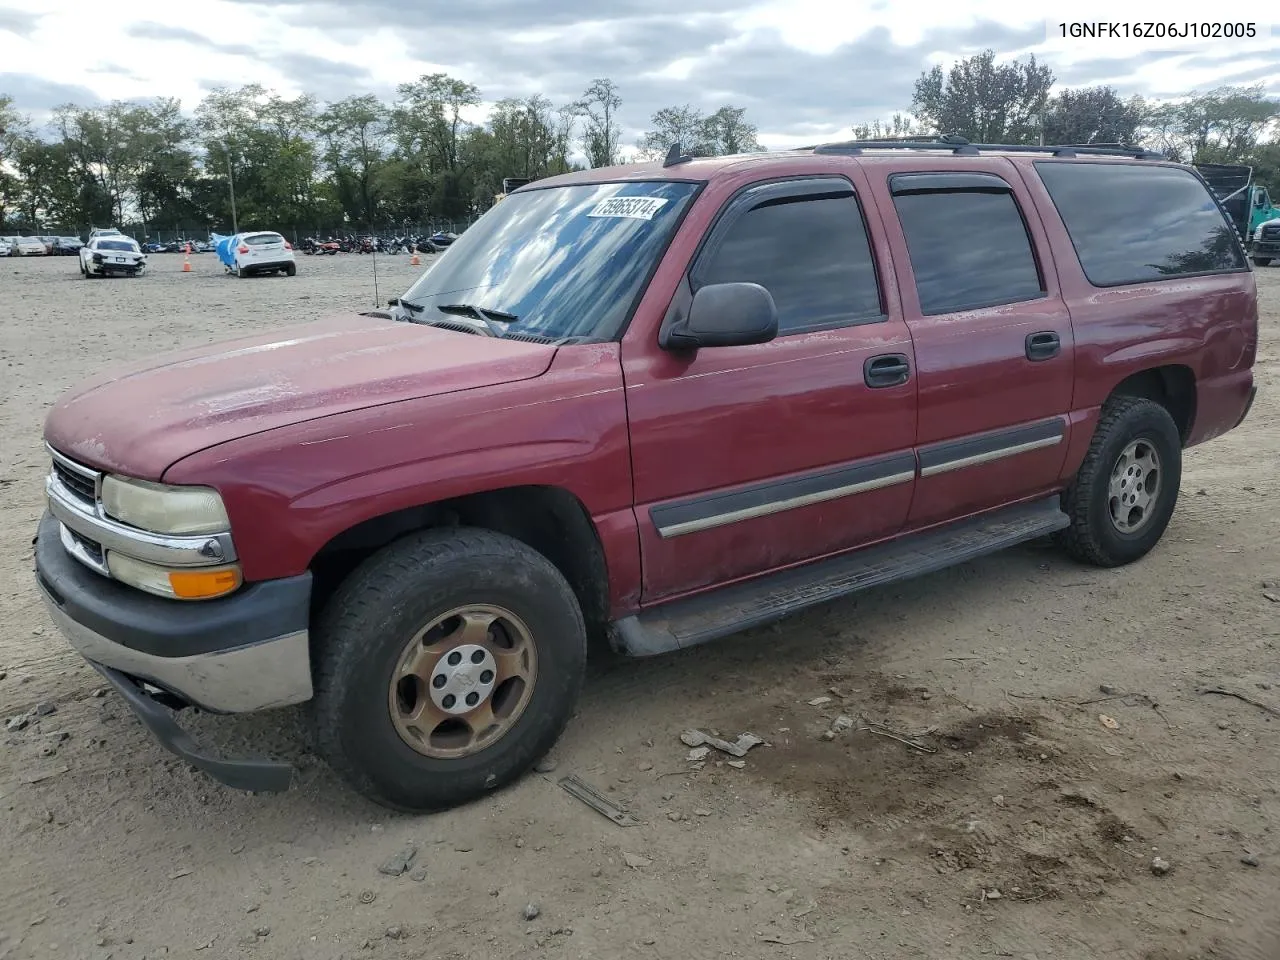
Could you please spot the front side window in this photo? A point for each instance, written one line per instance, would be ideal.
(969, 249)
(1136, 222)
(560, 263)
(810, 252)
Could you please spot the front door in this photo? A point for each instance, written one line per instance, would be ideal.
(747, 459)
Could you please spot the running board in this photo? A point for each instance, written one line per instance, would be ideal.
(699, 619)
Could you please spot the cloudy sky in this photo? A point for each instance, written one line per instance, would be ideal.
(804, 69)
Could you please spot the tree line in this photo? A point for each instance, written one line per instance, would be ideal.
(363, 163)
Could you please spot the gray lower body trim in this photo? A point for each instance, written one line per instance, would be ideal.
(972, 451)
(273, 673)
(764, 499)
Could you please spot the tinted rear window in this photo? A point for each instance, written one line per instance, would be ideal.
(1133, 223)
(263, 239)
(969, 249)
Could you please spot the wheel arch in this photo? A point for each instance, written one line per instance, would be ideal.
(1173, 386)
(548, 519)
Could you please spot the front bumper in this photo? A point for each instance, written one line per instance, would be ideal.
(243, 653)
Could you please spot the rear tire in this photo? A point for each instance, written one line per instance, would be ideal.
(291, 270)
(1261, 261)
(1125, 492)
(376, 669)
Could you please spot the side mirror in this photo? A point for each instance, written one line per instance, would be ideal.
(726, 315)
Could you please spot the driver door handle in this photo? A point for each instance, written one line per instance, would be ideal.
(888, 370)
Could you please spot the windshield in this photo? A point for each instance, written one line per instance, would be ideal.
(564, 262)
(117, 245)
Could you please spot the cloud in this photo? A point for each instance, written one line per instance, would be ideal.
(18, 22)
(37, 95)
(161, 32)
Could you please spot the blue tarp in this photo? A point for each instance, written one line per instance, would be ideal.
(224, 247)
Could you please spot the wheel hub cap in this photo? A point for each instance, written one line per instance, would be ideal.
(462, 681)
(1135, 487)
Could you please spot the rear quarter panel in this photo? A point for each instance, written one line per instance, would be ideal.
(1208, 324)
(292, 489)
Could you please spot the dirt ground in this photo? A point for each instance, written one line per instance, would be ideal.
(981, 805)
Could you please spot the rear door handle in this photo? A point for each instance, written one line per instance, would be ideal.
(1043, 346)
(889, 370)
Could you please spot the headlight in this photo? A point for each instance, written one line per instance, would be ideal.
(198, 583)
(164, 509)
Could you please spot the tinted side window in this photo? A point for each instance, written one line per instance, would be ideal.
(1132, 223)
(812, 254)
(969, 249)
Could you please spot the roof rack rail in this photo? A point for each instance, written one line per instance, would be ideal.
(962, 147)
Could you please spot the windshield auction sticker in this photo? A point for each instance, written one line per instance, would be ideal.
(628, 208)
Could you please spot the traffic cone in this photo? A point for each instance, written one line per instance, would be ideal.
(186, 261)
(414, 261)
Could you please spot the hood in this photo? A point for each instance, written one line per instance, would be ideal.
(140, 419)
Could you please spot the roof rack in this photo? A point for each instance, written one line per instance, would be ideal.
(963, 148)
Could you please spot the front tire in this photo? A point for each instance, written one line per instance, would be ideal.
(1124, 494)
(447, 664)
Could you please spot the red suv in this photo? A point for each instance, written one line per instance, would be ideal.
(656, 404)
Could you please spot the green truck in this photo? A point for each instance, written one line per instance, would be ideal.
(1250, 207)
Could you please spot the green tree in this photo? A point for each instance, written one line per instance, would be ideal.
(599, 106)
(1093, 115)
(685, 125)
(727, 132)
(355, 133)
(1223, 125)
(983, 101)
(898, 126)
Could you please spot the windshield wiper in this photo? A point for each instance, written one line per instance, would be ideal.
(492, 319)
(407, 304)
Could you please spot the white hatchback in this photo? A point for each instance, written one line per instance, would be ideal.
(263, 252)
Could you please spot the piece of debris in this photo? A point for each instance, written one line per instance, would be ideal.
(1111, 723)
(17, 723)
(532, 911)
(998, 799)
(1272, 596)
(419, 873)
(400, 862)
(593, 799)
(100, 693)
(737, 764)
(394, 933)
(44, 709)
(819, 701)
(1160, 866)
(1249, 860)
(701, 812)
(262, 931)
(787, 939)
(47, 751)
(698, 754)
(41, 775)
(645, 766)
(179, 874)
(993, 895)
(1224, 724)
(1107, 689)
(842, 723)
(367, 896)
(545, 765)
(827, 735)
(208, 943)
(1265, 708)
(739, 748)
(635, 861)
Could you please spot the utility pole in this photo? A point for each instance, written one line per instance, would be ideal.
(231, 182)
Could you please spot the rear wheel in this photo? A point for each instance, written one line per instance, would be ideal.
(291, 270)
(447, 665)
(241, 273)
(1261, 261)
(1124, 495)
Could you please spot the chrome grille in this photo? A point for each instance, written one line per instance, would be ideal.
(1271, 232)
(83, 486)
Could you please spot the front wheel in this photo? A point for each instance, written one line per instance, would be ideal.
(1123, 497)
(447, 664)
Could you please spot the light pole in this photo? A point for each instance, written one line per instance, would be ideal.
(231, 183)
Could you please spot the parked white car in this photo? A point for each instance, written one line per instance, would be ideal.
(261, 252)
(104, 232)
(111, 254)
(6, 246)
(29, 247)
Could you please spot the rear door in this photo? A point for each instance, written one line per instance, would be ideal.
(747, 459)
(995, 353)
